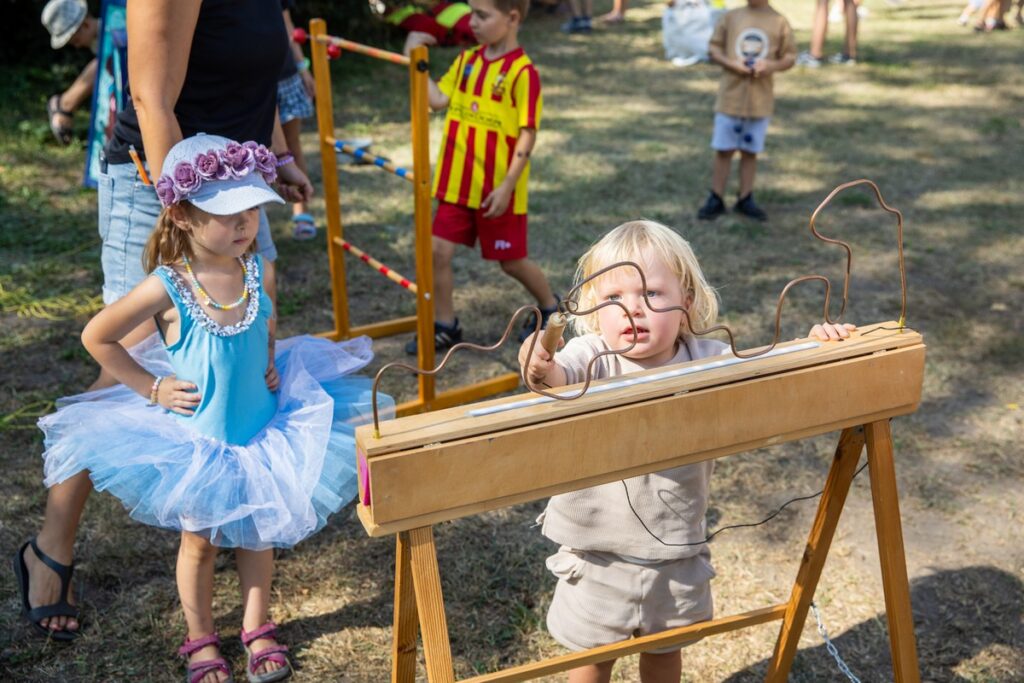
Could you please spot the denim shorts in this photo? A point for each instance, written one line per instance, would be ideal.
(128, 210)
(744, 134)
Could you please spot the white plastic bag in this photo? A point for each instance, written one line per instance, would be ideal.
(686, 28)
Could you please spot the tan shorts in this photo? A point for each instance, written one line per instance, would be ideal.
(601, 598)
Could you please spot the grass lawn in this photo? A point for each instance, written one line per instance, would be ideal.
(933, 115)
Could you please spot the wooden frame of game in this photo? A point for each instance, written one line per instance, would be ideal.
(427, 469)
(423, 322)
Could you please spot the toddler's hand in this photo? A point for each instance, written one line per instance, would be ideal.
(541, 364)
(271, 377)
(760, 68)
(178, 396)
(831, 332)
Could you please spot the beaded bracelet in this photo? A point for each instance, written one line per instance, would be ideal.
(284, 159)
(154, 389)
(303, 64)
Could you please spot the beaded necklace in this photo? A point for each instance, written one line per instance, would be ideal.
(207, 299)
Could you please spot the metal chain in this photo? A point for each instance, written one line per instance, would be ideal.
(831, 647)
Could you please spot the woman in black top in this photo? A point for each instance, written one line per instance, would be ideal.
(195, 66)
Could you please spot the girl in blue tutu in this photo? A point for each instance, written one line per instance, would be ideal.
(213, 431)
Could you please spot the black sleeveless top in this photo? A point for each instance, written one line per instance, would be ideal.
(230, 89)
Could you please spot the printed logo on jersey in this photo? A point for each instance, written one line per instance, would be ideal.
(752, 45)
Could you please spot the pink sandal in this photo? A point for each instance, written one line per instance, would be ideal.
(274, 653)
(197, 670)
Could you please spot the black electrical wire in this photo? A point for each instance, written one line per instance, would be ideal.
(708, 538)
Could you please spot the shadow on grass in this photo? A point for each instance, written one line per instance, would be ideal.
(959, 615)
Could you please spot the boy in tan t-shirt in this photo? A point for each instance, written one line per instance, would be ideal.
(751, 43)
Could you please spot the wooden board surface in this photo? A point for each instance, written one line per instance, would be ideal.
(454, 423)
(449, 479)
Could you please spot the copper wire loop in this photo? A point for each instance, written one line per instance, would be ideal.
(570, 305)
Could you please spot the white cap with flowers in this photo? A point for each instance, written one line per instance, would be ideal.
(218, 175)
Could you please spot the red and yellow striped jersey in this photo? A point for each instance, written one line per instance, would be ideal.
(489, 102)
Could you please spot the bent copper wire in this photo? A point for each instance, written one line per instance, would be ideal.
(458, 347)
(849, 252)
(571, 306)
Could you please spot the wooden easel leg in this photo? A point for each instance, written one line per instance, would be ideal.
(837, 485)
(403, 644)
(430, 604)
(890, 551)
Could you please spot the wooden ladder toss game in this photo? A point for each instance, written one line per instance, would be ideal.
(426, 469)
(423, 322)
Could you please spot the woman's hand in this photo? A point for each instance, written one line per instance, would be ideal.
(832, 331)
(178, 396)
(293, 185)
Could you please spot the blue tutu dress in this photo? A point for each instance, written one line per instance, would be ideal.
(250, 468)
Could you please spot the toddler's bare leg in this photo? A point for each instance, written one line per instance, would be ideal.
(592, 673)
(663, 668)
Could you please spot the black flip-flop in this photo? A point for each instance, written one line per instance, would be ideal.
(61, 133)
(61, 608)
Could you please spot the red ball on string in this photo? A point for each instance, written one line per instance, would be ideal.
(300, 36)
(333, 51)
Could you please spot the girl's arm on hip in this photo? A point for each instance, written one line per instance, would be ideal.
(102, 336)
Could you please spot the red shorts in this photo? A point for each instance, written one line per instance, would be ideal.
(426, 22)
(501, 239)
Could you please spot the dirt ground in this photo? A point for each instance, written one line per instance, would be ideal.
(933, 115)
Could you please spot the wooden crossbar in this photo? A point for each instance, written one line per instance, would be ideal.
(676, 636)
(367, 50)
(380, 162)
(376, 265)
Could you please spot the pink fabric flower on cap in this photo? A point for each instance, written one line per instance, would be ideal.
(208, 167)
(186, 178)
(165, 190)
(239, 159)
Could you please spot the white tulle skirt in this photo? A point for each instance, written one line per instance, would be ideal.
(273, 491)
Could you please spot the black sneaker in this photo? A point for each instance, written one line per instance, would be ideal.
(577, 25)
(713, 207)
(445, 337)
(747, 207)
(530, 323)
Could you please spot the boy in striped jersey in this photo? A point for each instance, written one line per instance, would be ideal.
(492, 93)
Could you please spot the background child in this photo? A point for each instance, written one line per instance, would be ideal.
(751, 43)
(69, 23)
(295, 92)
(814, 56)
(223, 458)
(616, 579)
(494, 104)
(580, 20)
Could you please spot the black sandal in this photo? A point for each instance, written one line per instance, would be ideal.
(61, 133)
(61, 608)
